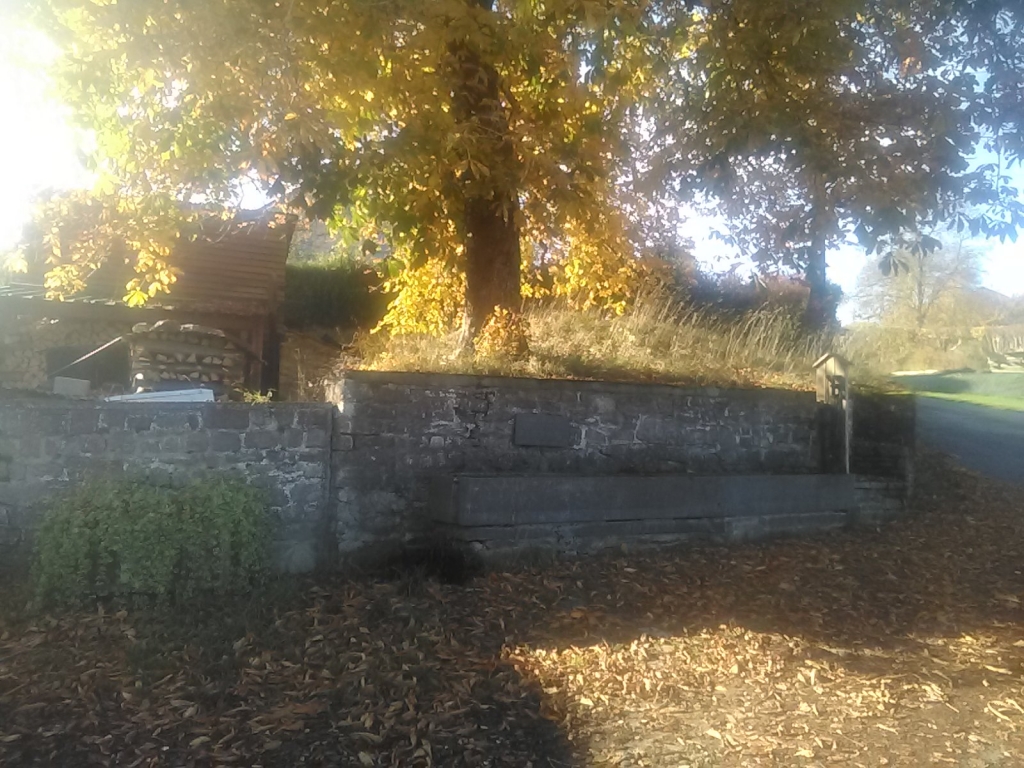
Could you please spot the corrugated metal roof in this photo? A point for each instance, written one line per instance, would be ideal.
(38, 291)
(240, 272)
(22, 291)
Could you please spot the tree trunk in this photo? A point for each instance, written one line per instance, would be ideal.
(819, 313)
(492, 260)
(490, 185)
(920, 309)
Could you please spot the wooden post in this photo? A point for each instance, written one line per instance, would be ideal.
(832, 382)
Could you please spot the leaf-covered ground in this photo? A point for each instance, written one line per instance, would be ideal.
(901, 647)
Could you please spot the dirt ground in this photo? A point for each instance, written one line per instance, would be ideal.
(901, 647)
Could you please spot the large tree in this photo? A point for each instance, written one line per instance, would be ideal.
(808, 122)
(452, 127)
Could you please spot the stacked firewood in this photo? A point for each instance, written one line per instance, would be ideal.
(166, 354)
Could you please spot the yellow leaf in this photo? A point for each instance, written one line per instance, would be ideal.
(999, 670)
(136, 298)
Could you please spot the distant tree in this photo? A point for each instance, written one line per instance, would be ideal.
(313, 242)
(925, 288)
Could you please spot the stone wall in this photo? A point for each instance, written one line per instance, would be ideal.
(396, 432)
(24, 346)
(46, 444)
(350, 481)
(883, 435)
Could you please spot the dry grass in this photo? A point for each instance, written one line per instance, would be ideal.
(657, 341)
(878, 350)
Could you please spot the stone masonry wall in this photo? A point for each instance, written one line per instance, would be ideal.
(23, 347)
(395, 432)
(45, 444)
(350, 481)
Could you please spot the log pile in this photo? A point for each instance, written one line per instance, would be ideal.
(168, 354)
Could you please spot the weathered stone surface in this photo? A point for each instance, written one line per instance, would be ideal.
(412, 428)
(49, 444)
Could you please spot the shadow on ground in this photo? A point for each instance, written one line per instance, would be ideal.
(900, 643)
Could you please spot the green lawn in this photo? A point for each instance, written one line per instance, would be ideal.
(991, 401)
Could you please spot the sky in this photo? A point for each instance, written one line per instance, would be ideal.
(43, 152)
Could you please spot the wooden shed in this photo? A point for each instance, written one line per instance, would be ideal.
(231, 280)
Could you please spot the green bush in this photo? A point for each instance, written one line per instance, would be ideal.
(337, 294)
(110, 538)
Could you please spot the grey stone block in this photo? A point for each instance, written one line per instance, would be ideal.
(53, 447)
(543, 430)
(268, 417)
(536, 499)
(314, 418)
(44, 421)
(318, 470)
(30, 446)
(171, 420)
(83, 422)
(172, 444)
(261, 439)
(317, 437)
(223, 441)
(293, 437)
(343, 443)
(761, 527)
(305, 494)
(221, 416)
(197, 442)
(87, 444)
(139, 422)
(112, 419)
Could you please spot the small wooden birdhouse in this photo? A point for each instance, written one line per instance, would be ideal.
(832, 378)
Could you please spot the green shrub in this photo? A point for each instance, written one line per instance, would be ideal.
(110, 538)
(337, 294)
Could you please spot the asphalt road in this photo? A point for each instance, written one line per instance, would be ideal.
(986, 440)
